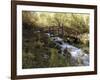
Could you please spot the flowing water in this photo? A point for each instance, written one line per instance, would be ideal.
(78, 57)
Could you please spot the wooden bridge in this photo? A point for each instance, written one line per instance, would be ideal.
(62, 31)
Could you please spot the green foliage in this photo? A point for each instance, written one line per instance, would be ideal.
(58, 60)
(54, 58)
(80, 22)
(38, 50)
(28, 60)
(29, 17)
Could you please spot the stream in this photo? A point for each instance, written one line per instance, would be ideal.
(78, 57)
